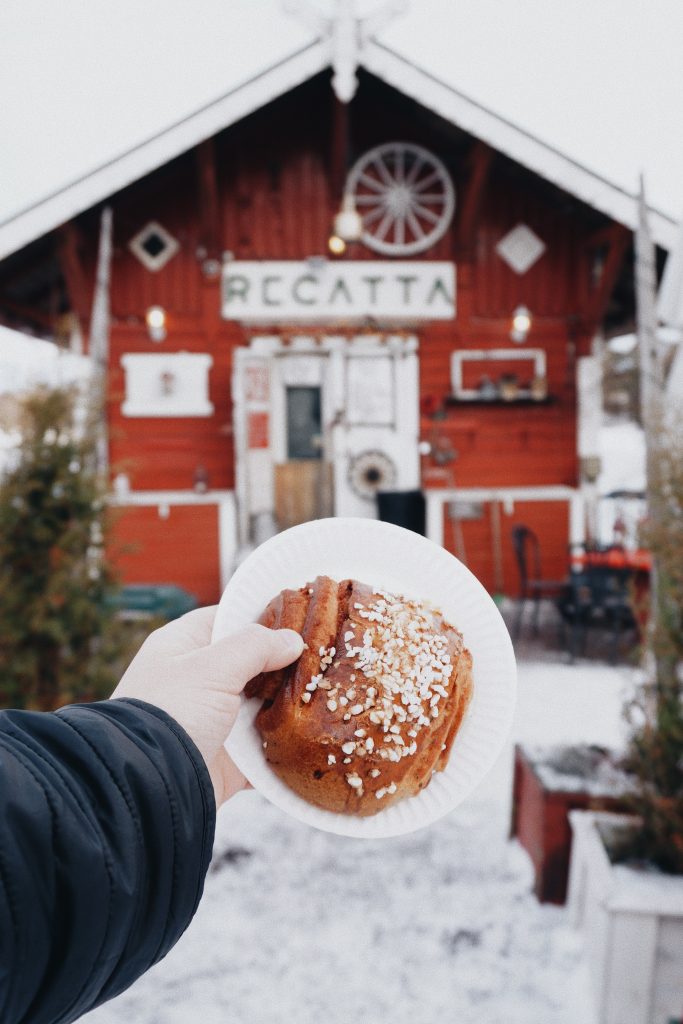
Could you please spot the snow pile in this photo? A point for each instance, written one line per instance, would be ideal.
(27, 362)
(582, 768)
(621, 445)
(300, 927)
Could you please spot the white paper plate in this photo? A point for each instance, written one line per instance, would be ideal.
(399, 561)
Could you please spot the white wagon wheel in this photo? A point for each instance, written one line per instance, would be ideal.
(404, 195)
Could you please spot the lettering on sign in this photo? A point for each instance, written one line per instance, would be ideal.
(355, 289)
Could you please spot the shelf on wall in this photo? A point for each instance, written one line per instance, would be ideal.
(523, 399)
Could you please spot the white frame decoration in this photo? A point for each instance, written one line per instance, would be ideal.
(154, 263)
(491, 354)
(167, 384)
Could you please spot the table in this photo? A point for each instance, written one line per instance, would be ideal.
(606, 588)
(638, 560)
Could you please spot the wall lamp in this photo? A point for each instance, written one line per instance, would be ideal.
(347, 226)
(155, 318)
(521, 324)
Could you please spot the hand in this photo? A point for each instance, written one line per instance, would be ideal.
(198, 683)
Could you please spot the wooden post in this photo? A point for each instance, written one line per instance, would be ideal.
(480, 161)
(75, 278)
(209, 206)
(99, 338)
(339, 149)
(618, 239)
(650, 385)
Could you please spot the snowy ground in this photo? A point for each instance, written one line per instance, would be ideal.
(301, 927)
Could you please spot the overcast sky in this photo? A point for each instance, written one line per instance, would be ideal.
(82, 80)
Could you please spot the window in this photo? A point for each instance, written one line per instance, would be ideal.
(304, 428)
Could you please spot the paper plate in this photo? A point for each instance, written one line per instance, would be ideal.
(399, 561)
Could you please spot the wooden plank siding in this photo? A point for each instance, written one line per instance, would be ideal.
(475, 544)
(275, 201)
(181, 548)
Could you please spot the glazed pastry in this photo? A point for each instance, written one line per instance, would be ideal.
(370, 710)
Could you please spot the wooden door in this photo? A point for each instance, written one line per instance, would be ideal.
(303, 491)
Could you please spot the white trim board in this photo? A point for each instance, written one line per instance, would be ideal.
(171, 498)
(521, 146)
(226, 513)
(92, 187)
(437, 497)
(47, 213)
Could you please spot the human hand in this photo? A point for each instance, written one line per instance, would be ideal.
(198, 683)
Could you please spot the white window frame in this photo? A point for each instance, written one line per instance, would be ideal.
(491, 354)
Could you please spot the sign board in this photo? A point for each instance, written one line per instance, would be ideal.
(338, 290)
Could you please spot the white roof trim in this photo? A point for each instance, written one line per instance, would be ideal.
(67, 202)
(506, 137)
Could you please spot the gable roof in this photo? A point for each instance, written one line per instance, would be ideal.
(295, 57)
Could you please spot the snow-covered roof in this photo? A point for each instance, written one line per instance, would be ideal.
(129, 86)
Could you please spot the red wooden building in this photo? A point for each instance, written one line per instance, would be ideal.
(257, 378)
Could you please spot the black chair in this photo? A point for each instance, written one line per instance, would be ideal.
(598, 597)
(532, 585)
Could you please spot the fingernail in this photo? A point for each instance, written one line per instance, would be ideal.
(292, 641)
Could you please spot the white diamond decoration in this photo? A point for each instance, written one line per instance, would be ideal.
(520, 248)
(165, 247)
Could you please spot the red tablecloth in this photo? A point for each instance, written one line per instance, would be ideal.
(615, 558)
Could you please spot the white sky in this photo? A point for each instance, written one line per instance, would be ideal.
(82, 80)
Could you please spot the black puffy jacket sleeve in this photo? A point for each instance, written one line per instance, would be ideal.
(107, 819)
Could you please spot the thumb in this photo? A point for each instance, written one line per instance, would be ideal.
(235, 659)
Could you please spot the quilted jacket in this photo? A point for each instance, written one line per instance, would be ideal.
(107, 819)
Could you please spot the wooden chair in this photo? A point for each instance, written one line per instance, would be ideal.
(532, 585)
(600, 596)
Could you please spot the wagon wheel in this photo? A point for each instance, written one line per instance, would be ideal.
(404, 195)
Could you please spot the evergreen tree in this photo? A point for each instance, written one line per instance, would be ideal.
(59, 638)
(656, 752)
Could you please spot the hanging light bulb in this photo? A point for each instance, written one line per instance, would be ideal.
(348, 224)
(521, 324)
(155, 318)
(336, 245)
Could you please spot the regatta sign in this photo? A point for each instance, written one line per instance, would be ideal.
(338, 290)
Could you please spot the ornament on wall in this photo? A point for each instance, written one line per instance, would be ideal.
(153, 245)
(520, 248)
(405, 196)
(168, 382)
(370, 472)
(345, 35)
(172, 384)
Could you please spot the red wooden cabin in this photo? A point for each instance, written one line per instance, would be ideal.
(254, 395)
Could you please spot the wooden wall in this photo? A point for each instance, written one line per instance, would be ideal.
(275, 201)
(180, 547)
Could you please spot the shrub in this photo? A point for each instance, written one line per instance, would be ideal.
(656, 750)
(59, 640)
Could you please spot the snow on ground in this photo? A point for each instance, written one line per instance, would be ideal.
(300, 927)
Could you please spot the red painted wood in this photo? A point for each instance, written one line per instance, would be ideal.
(276, 200)
(150, 549)
(472, 541)
(540, 822)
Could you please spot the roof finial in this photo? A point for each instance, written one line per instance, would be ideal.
(346, 34)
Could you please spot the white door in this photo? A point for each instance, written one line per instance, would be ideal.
(320, 425)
